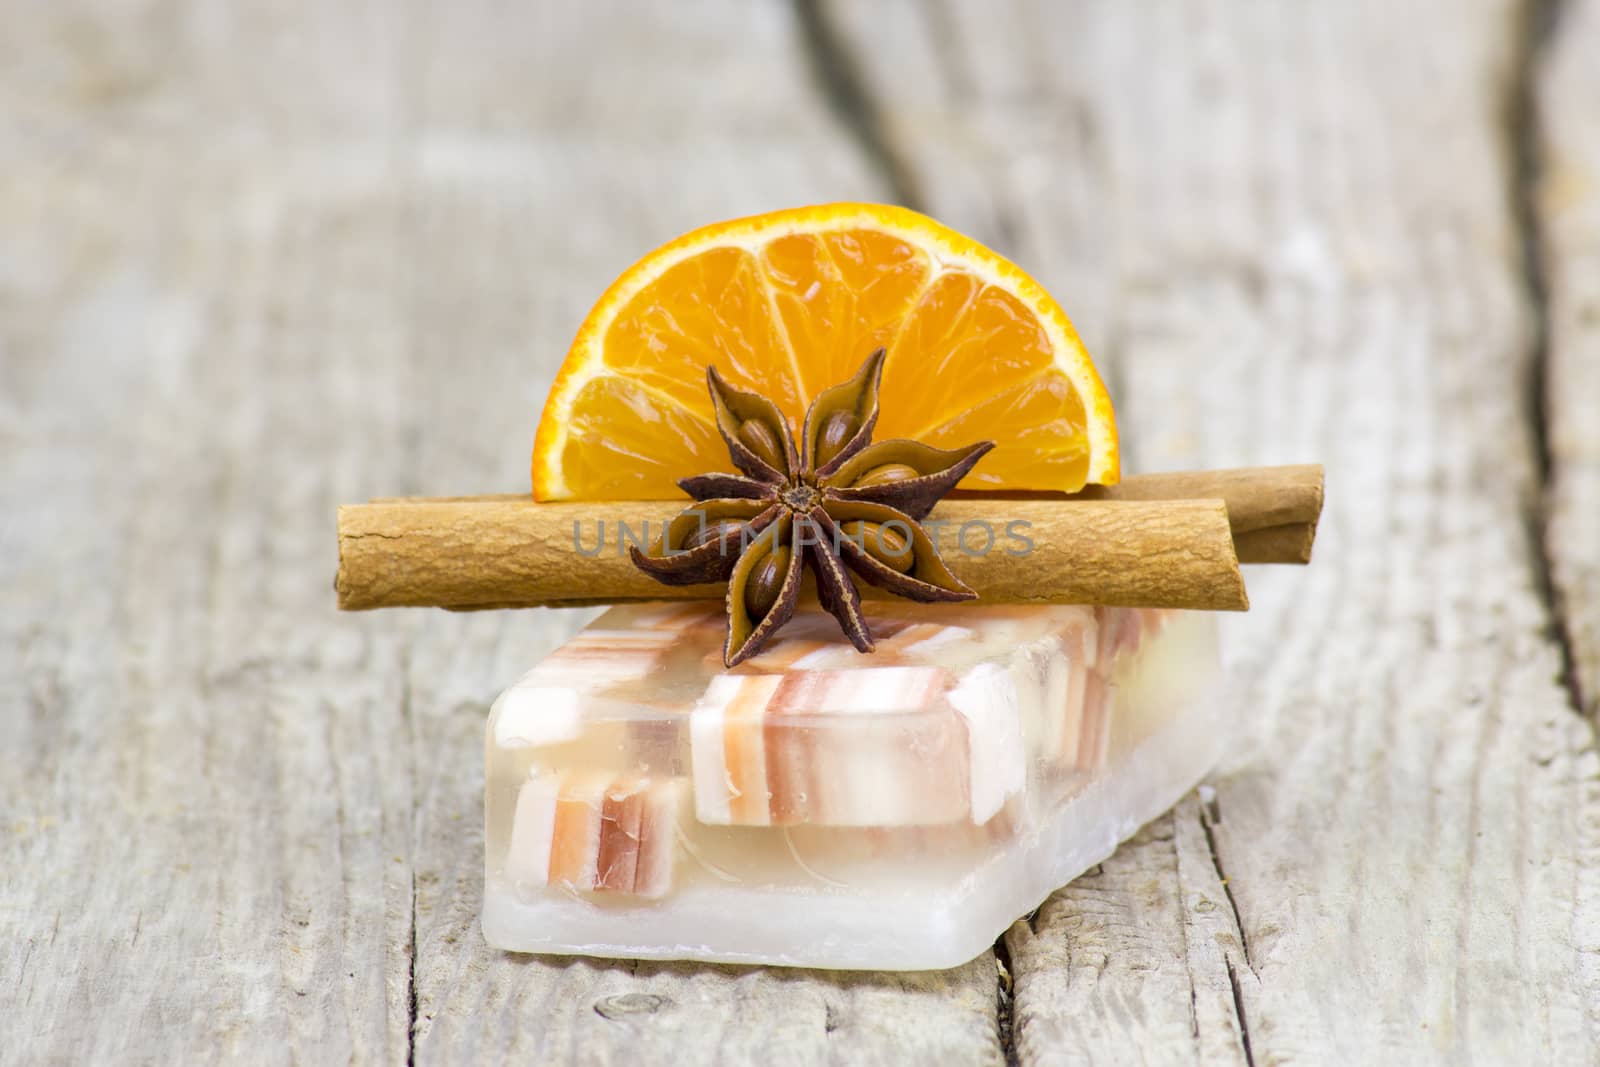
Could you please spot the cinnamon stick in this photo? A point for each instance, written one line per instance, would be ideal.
(496, 552)
(1273, 511)
(1155, 540)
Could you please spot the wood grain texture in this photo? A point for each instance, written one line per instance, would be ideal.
(1284, 231)
(1568, 220)
(1138, 945)
(205, 843)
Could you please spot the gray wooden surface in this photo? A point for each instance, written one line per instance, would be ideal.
(257, 259)
(1565, 208)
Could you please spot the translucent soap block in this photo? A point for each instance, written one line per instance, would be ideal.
(818, 807)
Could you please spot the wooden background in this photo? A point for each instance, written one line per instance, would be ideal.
(259, 258)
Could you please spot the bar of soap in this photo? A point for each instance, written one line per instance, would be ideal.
(817, 807)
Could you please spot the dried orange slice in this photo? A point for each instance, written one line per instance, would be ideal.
(789, 303)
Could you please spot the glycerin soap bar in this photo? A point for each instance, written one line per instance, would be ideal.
(822, 808)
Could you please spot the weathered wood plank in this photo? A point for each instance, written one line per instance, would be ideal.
(1569, 227)
(1285, 231)
(205, 845)
(259, 261)
(1137, 945)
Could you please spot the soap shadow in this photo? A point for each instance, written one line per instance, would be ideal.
(658, 972)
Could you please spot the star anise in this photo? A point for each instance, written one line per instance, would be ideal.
(840, 504)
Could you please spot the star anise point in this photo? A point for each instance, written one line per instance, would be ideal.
(841, 504)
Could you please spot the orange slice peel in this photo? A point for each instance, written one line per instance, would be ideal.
(786, 304)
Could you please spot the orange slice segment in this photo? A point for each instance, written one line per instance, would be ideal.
(789, 303)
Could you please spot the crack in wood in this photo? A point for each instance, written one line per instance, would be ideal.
(945, 36)
(411, 982)
(1536, 23)
(407, 717)
(1005, 992)
(1211, 815)
(1238, 1012)
(838, 74)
